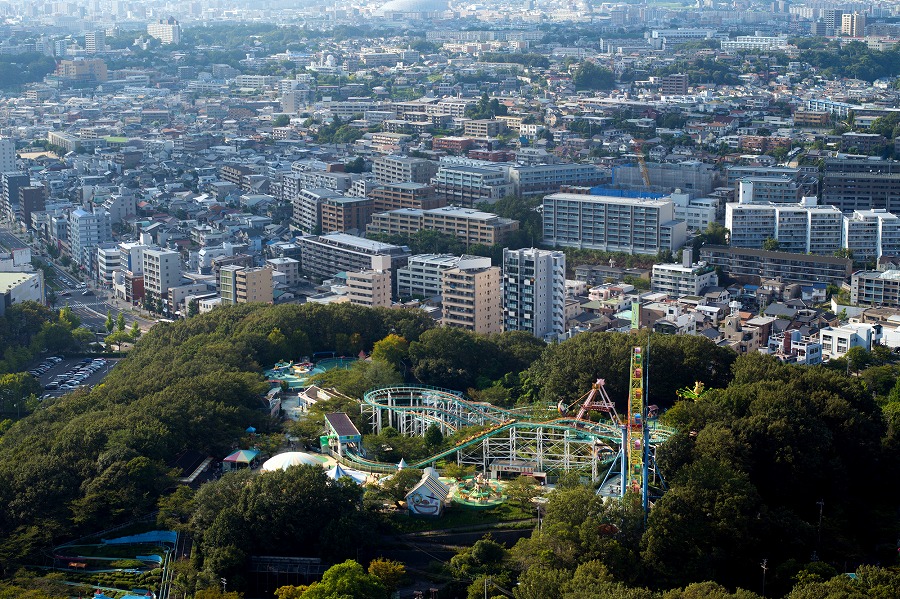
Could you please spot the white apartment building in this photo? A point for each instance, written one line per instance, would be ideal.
(687, 278)
(614, 224)
(168, 31)
(805, 228)
(421, 277)
(756, 42)
(697, 214)
(162, 271)
(109, 260)
(307, 208)
(464, 185)
(534, 292)
(548, 178)
(87, 230)
(872, 234)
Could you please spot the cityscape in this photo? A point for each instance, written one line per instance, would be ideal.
(424, 298)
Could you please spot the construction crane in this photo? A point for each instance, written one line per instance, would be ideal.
(638, 145)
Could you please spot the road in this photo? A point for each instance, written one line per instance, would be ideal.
(91, 309)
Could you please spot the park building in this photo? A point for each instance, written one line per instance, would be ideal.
(613, 224)
(752, 266)
(167, 31)
(466, 185)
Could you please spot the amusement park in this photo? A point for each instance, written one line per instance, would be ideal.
(588, 438)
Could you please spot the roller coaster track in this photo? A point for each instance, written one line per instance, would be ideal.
(560, 443)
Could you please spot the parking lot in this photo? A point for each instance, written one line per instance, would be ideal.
(58, 376)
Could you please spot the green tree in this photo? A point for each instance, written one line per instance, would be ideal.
(135, 331)
(282, 120)
(120, 322)
(110, 323)
(393, 350)
(389, 572)
(347, 579)
(433, 436)
(589, 76)
(771, 245)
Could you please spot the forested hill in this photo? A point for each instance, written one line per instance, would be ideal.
(754, 461)
(90, 460)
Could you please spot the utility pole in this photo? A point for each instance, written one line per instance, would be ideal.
(765, 567)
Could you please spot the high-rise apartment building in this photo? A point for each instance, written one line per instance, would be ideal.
(400, 169)
(534, 292)
(242, 285)
(370, 288)
(613, 224)
(10, 184)
(94, 42)
(168, 31)
(853, 24)
(7, 155)
(87, 230)
(673, 85)
(162, 271)
(861, 184)
(472, 299)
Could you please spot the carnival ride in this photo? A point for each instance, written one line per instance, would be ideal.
(524, 441)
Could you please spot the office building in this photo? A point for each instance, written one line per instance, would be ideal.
(466, 224)
(833, 18)
(162, 271)
(243, 285)
(804, 227)
(861, 183)
(751, 265)
(400, 169)
(687, 278)
(534, 292)
(614, 224)
(7, 155)
(370, 288)
(393, 196)
(168, 31)
(323, 256)
(471, 298)
(87, 231)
